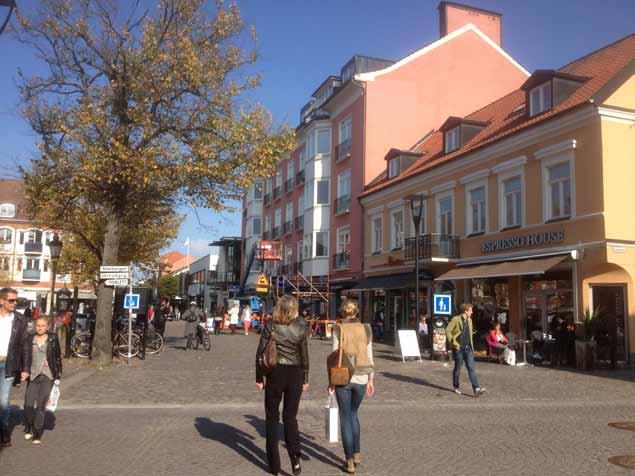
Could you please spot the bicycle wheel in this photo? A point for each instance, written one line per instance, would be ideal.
(207, 341)
(155, 345)
(123, 349)
(80, 345)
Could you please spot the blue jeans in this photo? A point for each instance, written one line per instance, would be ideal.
(466, 354)
(5, 390)
(349, 399)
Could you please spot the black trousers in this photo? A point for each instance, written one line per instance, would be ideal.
(37, 394)
(283, 384)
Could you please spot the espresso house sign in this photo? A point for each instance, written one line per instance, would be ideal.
(524, 241)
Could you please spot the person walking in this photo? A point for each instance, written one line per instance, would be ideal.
(357, 342)
(41, 367)
(234, 313)
(191, 317)
(288, 379)
(246, 317)
(13, 332)
(459, 335)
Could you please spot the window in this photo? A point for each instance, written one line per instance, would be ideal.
(299, 255)
(323, 192)
(256, 226)
(343, 239)
(377, 234)
(278, 217)
(324, 141)
(269, 186)
(321, 244)
(279, 178)
(444, 215)
(424, 218)
(540, 99)
(393, 167)
(258, 191)
(344, 184)
(45, 265)
(512, 202)
(346, 130)
(477, 210)
(288, 257)
(310, 147)
(301, 205)
(288, 213)
(290, 170)
(452, 139)
(559, 191)
(301, 160)
(6, 235)
(7, 210)
(396, 229)
(32, 264)
(267, 224)
(5, 263)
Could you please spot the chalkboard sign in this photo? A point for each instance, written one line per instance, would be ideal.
(409, 344)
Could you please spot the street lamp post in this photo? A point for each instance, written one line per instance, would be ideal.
(10, 4)
(416, 211)
(55, 247)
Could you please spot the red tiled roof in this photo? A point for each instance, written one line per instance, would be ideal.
(506, 116)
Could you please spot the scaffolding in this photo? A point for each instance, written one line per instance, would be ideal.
(312, 288)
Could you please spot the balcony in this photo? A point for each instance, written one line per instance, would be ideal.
(33, 247)
(342, 259)
(299, 222)
(343, 150)
(31, 274)
(288, 185)
(342, 204)
(277, 192)
(433, 246)
(275, 234)
(267, 199)
(287, 227)
(299, 177)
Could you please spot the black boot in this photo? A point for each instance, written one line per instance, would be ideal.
(5, 437)
(37, 437)
(296, 466)
(28, 432)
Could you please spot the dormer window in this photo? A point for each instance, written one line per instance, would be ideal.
(393, 168)
(400, 160)
(540, 99)
(452, 139)
(7, 210)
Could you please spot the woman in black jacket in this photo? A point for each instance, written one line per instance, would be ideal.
(42, 366)
(288, 379)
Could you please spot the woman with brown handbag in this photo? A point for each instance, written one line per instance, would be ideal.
(355, 340)
(282, 370)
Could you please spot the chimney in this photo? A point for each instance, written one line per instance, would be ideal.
(453, 16)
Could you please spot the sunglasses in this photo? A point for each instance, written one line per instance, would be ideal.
(11, 300)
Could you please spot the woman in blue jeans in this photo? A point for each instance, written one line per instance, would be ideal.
(357, 343)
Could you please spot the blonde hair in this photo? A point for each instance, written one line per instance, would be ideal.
(349, 309)
(43, 317)
(465, 306)
(286, 310)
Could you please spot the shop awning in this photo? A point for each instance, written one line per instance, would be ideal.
(394, 281)
(505, 268)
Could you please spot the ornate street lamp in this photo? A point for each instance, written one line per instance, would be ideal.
(10, 4)
(416, 211)
(55, 247)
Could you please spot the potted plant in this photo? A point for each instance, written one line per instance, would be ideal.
(585, 344)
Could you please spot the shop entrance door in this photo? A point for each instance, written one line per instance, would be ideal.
(612, 346)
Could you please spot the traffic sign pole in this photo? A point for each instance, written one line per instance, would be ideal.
(130, 316)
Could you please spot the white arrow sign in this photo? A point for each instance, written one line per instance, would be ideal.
(114, 269)
(113, 276)
(116, 282)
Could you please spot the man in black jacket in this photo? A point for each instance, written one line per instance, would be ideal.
(13, 332)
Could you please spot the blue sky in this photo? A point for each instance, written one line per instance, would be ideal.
(303, 41)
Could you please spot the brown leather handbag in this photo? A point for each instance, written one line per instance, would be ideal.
(339, 365)
(269, 357)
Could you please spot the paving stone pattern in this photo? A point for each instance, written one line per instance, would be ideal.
(199, 413)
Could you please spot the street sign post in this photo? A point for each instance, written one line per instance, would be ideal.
(131, 301)
(116, 282)
(113, 275)
(114, 269)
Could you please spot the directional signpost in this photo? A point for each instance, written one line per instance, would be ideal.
(122, 276)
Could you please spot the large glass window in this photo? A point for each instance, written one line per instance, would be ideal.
(477, 209)
(396, 229)
(323, 192)
(324, 141)
(377, 234)
(512, 202)
(321, 243)
(444, 215)
(559, 190)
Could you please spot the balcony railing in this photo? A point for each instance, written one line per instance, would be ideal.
(288, 185)
(287, 227)
(343, 150)
(299, 222)
(32, 247)
(342, 259)
(31, 274)
(433, 245)
(342, 204)
(277, 191)
(267, 199)
(275, 232)
(299, 177)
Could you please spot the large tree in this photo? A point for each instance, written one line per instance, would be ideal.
(140, 111)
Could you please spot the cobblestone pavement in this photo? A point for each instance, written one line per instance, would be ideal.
(198, 413)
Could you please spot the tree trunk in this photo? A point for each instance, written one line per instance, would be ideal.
(102, 342)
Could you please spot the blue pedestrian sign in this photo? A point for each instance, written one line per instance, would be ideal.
(442, 304)
(131, 301)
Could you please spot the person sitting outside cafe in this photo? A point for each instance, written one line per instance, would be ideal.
(497, 341)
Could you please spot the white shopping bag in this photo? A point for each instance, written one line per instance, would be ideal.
(51, 405)
(332, 420)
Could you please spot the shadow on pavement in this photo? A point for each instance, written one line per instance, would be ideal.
(310, 449)
(239, 441)
(415, 380)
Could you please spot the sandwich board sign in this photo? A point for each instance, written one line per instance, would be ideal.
(408, 344)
